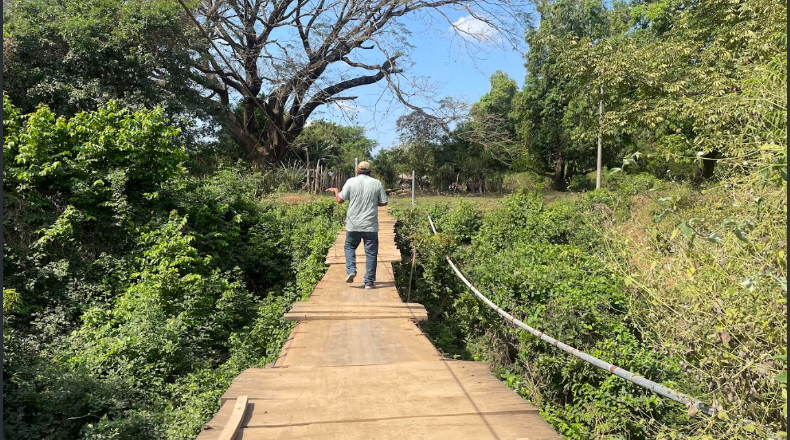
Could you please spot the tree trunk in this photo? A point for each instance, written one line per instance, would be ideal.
(253, 150)
(570, 171)
(278, 142)
(708, 166)
(558, 180)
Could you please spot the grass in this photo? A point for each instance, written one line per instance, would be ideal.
(484, 201)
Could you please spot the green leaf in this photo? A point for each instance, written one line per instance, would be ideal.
(741, 235)
(728, 223)
(686, 230)
(781, 377)
(713, 238)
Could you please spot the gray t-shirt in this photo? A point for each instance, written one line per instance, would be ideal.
(363, 194)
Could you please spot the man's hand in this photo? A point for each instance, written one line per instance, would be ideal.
(336, 192)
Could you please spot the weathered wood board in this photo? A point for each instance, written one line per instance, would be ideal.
(356, 342)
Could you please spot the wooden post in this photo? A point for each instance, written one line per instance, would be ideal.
(413, 186)
(307, 151)
(600, 143)
(315, 177)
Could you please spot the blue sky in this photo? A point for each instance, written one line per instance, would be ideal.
(440, 59)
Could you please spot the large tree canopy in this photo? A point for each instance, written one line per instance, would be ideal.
(77, 55)
(286, 58)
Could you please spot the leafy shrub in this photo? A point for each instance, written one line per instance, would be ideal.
(630, 184)
(135, 292)
(286, 177)
(582, 182)
(513, 182)
(707, 271)
(534, 260)
(683, 286)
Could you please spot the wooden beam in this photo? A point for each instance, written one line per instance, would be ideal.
(233, 426)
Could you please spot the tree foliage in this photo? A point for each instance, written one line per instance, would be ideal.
(134, 292)
(78, 55)
(335, 145)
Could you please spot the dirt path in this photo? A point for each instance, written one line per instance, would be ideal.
(358, 367)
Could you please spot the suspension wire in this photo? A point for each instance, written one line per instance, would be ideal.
(611, 368)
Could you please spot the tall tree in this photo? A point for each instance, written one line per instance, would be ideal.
(688, 81)
(286, 58)
(549, 107)
(492, 122)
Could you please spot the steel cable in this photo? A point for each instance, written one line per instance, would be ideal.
(643, 382)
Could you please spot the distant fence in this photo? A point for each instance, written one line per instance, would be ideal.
(320, 178)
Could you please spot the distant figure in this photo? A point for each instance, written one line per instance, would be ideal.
(473, 186)
(364, 195)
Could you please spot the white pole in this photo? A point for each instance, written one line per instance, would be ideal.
(413, 183)
(356, 164)
(600, 142)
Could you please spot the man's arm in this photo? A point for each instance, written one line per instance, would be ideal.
(337, 194)
(383, 200)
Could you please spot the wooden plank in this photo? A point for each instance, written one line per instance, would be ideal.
(213, 428)
(297, 396)
(312, 316)
(235, 420)
(356, 294)
(508, 426)
(340, 258)
(310, 382)
(335, 306)
(336, 275)
(357, 342)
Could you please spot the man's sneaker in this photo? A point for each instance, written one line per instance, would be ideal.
(370, 286)
(350, 277)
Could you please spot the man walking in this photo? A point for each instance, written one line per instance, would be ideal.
(364, 195)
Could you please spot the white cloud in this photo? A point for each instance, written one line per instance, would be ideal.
(475, 29)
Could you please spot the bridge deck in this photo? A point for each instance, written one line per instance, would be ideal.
(356, 366)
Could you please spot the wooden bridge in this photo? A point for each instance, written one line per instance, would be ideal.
(356, 366)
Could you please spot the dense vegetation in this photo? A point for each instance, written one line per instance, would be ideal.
(687, 85)
(706, 317)
(677, 269)
(134, 291)
(145, 264)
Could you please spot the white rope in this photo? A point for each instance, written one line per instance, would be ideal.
(613, 369)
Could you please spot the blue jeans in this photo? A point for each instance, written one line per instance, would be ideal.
(371, 240)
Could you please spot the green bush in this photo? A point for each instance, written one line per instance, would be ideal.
(513, 182)
(685, 286)
(630, 184)
(582, 182)
(135, 292)
(536, 261)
